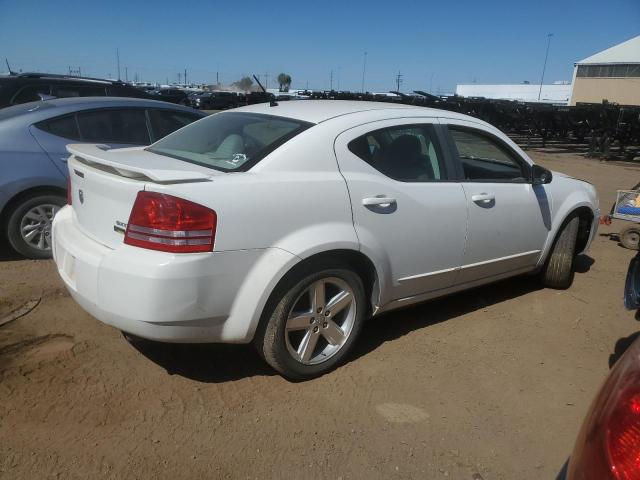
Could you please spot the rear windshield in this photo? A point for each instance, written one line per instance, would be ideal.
(229, 141)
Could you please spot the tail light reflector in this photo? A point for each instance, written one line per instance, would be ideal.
(170, 224)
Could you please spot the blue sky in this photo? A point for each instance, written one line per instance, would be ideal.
(437, 44)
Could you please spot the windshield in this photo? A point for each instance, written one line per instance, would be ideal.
(229, 141)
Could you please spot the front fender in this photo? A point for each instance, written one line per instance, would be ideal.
(563, 207)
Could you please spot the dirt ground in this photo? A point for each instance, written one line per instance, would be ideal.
(487, 384)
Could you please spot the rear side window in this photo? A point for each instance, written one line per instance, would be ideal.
(62, 127)
(485, 159)
(30, 93)
(229, 141)
(114, 126)
(164, 122)
(407, 153)
(66, 91)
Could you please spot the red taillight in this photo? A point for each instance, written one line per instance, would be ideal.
(170, 224)
(69, 196)
(623, 430)
(608, 446)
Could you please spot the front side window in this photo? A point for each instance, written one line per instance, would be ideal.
(484, 158)
(30, 93)
(229, 141)
(404, 153)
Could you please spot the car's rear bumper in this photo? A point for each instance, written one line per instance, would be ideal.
(163, 296)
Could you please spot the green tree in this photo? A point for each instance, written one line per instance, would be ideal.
(285, 82)
(244, 83)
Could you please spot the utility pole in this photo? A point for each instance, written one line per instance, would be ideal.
(331, 81)
(118, 61)
(185, 76)
(398, 81)
(266, 80)
(217, 78)
(364, 69)
(544, 67)
(179, 77)
(126, 74)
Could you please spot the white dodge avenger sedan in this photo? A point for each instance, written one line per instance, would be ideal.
(290, 225)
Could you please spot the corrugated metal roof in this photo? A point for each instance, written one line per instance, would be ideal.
(625, 52)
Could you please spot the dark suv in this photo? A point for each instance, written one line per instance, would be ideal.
(172, 95)
(216, 100)
(31, 87)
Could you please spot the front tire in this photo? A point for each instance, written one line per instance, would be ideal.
(558, 271)
(314, 324)
(29, 225)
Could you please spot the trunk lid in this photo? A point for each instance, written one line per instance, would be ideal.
(104, 184)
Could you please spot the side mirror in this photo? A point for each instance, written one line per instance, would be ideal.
(540, 175)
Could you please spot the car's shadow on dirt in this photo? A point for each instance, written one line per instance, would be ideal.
(209, 363)
(7, 254)
(388, 327)
(215, 363)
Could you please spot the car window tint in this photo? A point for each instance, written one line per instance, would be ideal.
(63, 127)
(164, 122)
(114, 126)
(230, 141)
(484, 159)
(67, 91)
(30, 93)
(404, 153)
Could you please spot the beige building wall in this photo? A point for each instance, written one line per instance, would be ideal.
(622, 90)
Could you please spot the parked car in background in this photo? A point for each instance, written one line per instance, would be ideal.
(215, 100)
(289, 225)
(608, 445)
(173, 95)
(33, 155)
(32, 87)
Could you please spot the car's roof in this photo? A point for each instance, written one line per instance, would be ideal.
(37, 111)
(316, 111)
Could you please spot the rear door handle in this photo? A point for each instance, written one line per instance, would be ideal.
(483, 197)
(381, 201)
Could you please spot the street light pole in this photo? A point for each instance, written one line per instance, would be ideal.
(364, 69)
(544, 67)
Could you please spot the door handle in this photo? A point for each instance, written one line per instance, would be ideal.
(483, 197)
(381, 201)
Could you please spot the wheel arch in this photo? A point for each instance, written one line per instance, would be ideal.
(357, 261)
(586, 215)
(17, 198)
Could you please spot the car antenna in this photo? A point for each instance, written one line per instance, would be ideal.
(272, 102)
(8, 67)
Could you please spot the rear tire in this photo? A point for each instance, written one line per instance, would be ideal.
(630, 237)
(301, 337)
(29, 225)
(558, 270)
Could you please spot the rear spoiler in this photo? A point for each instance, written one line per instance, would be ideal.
(137, 163)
